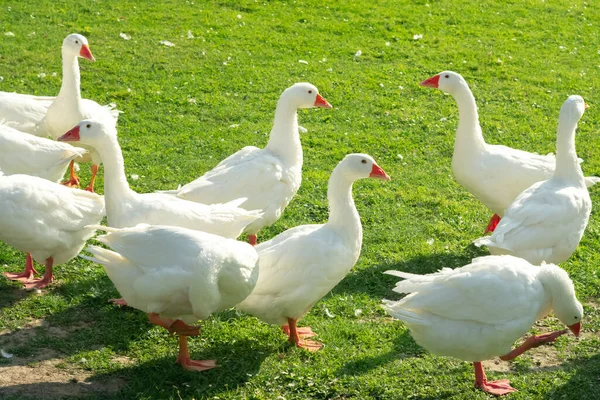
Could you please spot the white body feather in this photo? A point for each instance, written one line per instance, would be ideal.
(22, 153)
(53, 116)
(547, 221)
(270, 177)
(46, 219)
(476, 312)
(301, 265)
(494, 174)
(126, 208)
(176, 272)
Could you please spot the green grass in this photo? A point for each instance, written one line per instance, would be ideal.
(522, 58)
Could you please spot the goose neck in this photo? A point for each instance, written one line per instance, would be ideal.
(116, 186)
(567, 164)
(284, 139)
(70, 87)
(343, 216)
(468, 131)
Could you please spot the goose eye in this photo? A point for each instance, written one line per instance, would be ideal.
(88, 126)
(77, 42)
(446, 76)
(363, 161)
(310, 92)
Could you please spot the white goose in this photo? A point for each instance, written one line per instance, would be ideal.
(177, 273)
(53, 116)
(302, 264)
(546, 221)
(22, 153)
(46, 220)
(126, 208)
(268, 177)
(476, 312)
(494, 174)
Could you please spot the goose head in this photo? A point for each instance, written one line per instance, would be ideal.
(304, 95)
(358, 166)
(565, 305)
(447, 81)
(89, 132)
(573, 108)
(76, 45)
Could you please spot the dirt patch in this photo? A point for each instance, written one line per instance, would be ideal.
(496, 365)
(64, 331)
(20, 337)
(48, 378)
(123, 360)
(46, 375)
(545, 357)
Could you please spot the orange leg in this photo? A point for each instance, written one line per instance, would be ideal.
(298, 336)
(497, 388)
(73, 179)
(174, 326)
(90, 188)
(118, 302)
(494, 221)
(45, 280)
(183, 330)
(252, 239)
(25, 276)
(192, 365)
(532, 342)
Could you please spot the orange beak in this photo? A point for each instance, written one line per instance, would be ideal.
(586, 106)
(86, 53)
(321, 102)
(575, 328)
(431, 82)
(378, 173)
(71, 136)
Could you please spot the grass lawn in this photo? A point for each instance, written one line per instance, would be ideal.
(188, 106)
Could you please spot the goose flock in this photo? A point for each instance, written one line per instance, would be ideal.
(174, 254)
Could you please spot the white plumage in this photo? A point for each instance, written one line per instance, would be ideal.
(494, 174)
(302, 264)
(126, 208)
(547, 221)
(53, 116)
(47, 220)
(177, 273)
(476, 312)
(268, 177)
(22, 153)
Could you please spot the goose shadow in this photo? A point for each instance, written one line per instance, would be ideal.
(404, 347)
(10, 294)
(158, 378)
(583, 382)
(103, 333)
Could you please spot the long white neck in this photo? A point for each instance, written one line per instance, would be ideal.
(557, 290)
(116, 187)
(468, 132)
(343, 216)
(567, 165)
(285, 139)
(70, 88)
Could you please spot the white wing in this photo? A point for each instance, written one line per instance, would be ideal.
(491, 290)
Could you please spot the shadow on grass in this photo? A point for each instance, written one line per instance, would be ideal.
(11, 294)
(404, 347)
(161, 377)
(374, 282)
(583, 385)
(94, 325)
